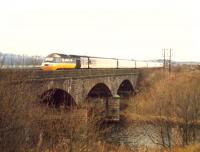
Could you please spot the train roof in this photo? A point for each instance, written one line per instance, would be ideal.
(61, 55)
(79, 56)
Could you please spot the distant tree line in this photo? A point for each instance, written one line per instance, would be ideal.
(13, 60)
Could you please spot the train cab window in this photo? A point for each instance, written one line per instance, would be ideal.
(48, 60)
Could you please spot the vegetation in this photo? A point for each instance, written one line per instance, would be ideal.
(26, 125)
(170, 102)
(16, 61)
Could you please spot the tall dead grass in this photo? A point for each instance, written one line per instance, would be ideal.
(172, 103)
(27, 125)
(171, 95)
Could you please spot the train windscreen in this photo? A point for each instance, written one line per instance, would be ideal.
(48, 59)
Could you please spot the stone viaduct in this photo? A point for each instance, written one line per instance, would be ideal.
(80, 84)
(73, 87)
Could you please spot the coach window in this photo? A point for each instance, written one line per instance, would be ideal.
(68, 60)
(63, 60)
(57, 60)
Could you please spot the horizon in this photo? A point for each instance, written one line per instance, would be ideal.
(153, 59)
(130, 29)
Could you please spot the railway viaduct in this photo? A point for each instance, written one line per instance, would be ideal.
(80, 85)
(73, 87)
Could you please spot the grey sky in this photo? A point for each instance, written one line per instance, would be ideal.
(109, 28)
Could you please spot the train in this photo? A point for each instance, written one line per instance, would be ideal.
(57, 61)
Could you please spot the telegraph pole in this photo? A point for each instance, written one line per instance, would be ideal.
(170, 59)
(164, 62)
(167, 61)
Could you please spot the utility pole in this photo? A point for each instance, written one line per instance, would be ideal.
(164, 62)
(23, 60)
(170, 59)
(88, 62)
(167, 61)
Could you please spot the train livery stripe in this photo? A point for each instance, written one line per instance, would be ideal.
(57, 66)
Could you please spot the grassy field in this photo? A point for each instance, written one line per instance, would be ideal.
(171, 101)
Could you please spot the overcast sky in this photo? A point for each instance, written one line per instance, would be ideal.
(136, 29)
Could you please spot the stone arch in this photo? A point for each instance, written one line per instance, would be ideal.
(99, 90)
(56, 97)
(125, 89)
(97, 98)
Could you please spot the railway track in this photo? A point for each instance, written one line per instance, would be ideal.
(30, 74)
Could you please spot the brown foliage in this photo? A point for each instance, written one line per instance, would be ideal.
(27, 125)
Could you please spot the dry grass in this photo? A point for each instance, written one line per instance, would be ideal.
(169, 101)
(25, 125)
(173, 90)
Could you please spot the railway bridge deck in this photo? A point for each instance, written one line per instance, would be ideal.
(73, 87)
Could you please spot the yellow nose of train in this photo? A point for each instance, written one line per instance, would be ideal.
(57, 66)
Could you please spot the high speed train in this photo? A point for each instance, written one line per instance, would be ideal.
(57, 61)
